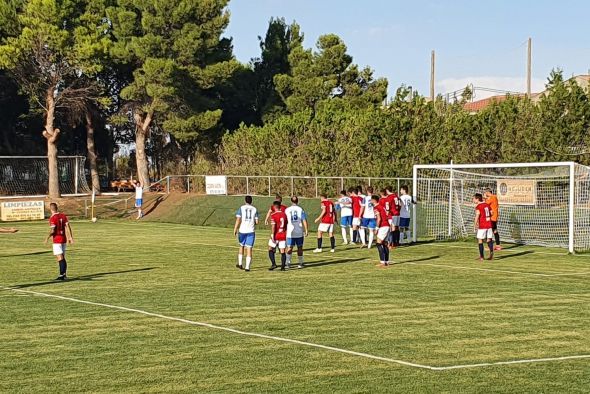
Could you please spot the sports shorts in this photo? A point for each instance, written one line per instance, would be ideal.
(295, 242)
(59, 249)
(382, 233)
(326, 228)
(371, 224)
(346, 221)
(485, 233)
(247, 240)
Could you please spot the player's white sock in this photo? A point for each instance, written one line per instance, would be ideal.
(401, 237)
(409, 236)
(351, 232)
(363, 236)
(289, 256)
(240, 260)
(371, 237)
(248, 262)
(344, 235)
(300, 260)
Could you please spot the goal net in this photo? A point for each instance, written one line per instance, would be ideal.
(545, 204)
(29, 175)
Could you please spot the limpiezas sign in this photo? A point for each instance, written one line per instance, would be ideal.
(14, 211)
(517, 192)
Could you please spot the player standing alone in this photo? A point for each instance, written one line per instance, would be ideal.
(296, 231)
(492, 201)
(278, 236)
(383, 228)
(138, 198)
(62, 234)
(327, 216)
(483, 225)
(245, 227)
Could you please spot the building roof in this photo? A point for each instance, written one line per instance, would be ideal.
(478, 105)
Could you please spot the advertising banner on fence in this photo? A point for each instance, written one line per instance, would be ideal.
(517, 192)
(216, 185)
(13, 211)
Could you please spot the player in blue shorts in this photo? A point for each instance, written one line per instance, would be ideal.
(368, 221)
(244, 229)
(297, 229)
(345, 205)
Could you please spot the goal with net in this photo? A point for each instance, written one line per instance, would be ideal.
(544, 204)
(28, 176)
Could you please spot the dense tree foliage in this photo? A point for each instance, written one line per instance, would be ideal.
(159, 79)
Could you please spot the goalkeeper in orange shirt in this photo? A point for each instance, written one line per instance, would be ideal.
(492, 201)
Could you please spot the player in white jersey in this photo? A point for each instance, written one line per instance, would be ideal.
(297, 229)
(138, 198)
(368, 221)
(345, 205)
(245, 230)
(405, 214)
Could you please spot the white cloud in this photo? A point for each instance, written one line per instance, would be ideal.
(512, 84)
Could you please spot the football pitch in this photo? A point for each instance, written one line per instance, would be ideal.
(155, 307)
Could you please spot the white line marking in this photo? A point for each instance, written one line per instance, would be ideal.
(303, 343)
(212, 326)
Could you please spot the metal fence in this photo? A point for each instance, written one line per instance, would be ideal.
(303, 186)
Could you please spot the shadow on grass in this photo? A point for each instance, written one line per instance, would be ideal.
(509, 256)
(157, 202)
(331, 262)
(80, 278)
(418, 260)
(26, 254)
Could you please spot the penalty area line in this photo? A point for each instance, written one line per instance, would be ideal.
(298, 342)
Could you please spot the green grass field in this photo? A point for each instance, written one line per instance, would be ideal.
(437, 308)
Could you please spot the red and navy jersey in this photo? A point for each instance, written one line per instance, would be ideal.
(58, 222)
(279, 220)
(485, 216)
(383, 216)
(329, 212)
(282, 209)
(385, 202)
(356, 206)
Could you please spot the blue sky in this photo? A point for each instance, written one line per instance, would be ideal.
(479, 42)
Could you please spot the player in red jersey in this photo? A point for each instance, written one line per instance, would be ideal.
(278, 236)
(394, 211)
(278, 198)
(483, 225)
(383, 226)
(326, 219)
(356, 213)
(61, 232)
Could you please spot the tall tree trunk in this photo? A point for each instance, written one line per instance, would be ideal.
(51, 135)
(142, 127)
(92, 152)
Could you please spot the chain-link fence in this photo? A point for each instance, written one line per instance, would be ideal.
(302, 186)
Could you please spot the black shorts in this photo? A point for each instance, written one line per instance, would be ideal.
(494, 225)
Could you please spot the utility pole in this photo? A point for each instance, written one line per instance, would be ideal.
(432, 76)
(529, 67)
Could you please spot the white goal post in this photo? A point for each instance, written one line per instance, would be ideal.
(545, 204)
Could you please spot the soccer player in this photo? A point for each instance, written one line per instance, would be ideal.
(61, 232)
(327, 216)
(483, 225)
(297, 229)
(368, 221)
(345, 204)
(138, 198)
(492, 201)
(382, 218)
(405, 214)
(271, 210)
(245, 230)
(356, 214)
(394, 211)
(278, 236)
